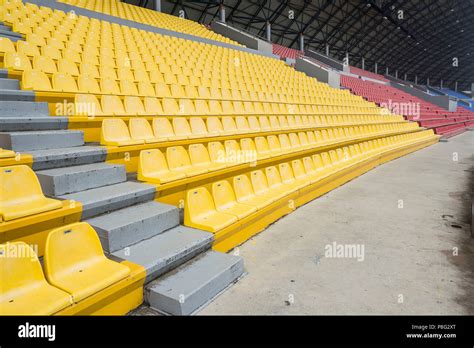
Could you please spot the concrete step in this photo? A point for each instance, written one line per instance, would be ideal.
(13, 95)
(113, 197)
(166, 251)
(10, 35)
(12, 124)
(72, 156)
(192, 285)
(23, 109)
(131, 225)
(9, 84)
(61, 181)
(41, 140)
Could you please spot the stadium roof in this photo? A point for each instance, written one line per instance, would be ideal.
(422, 37)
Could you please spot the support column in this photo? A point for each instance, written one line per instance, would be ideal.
(157, 5)
(269, 31)
(440, 83)
(416, 79)
(455, 86)
(301, 42)
(386, 70)
(396, 74)
(347, 58)
(376, 68)
(327, 50)
(363, 63)
(427, 81)
(222, 13)
(405, 76)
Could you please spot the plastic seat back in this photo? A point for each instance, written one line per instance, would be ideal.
(162, 128)
(112, 105)
(177, 157)
(134, 106)
(140, 129)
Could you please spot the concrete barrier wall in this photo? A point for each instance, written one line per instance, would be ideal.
(325, 59)
(331, 77)
(243, 38)
(442, 101)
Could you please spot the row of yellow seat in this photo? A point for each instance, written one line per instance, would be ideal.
(236, 198)
(75, 269)
(251, 71)
(181, 163)
(115, 132)
(89, 105)
(146, 16)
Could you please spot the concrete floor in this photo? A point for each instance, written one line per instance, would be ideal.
(412, 217)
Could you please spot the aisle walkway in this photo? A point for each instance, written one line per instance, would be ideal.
(408, 216)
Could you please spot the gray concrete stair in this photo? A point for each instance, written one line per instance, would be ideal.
(10, 108)
(166, 251)
(72, 156)
(127, 226)
(9, 84)
(112, 197)
(189, 287)
(5, 27)
(41, 140)
(16, 124)
(61, 181)
(12, 95)
(10, 35)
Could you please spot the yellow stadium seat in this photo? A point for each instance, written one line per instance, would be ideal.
(44, 64)
(244, 193)
(22, 195)
(178, 161)
(152, 167)
(115, 133)
(67, 66)
(153, 106)
(145, 88)
(75, 262)
(229, 126)
(141, 76)
(88, 69)
(182, 129)
(24, 289)
(87, 105)
(16, 61)
(128, 87)
(275, 182)
(26, 48)
(6, 153)
(261, 187)
(35, 80)
(133, 106)
(198, 127)
(242, 125)
(170, 106)
(112, 105)
(140, 129)
(6, 45)
(225, 201)
(214, 126)
(200, 212)
(109, 86)
(88, 84)
(64, 83)
(163, 130)
(288, 177)
(200, 158)
(51, 52)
